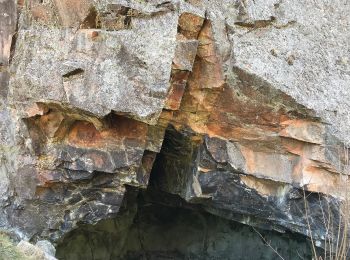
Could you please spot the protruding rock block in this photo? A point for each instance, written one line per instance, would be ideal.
(177, 89)
(190, 25)
(185, 54)
(98, 73)
(204, 173)
(73, 13)
(255, 110)
(304, 131)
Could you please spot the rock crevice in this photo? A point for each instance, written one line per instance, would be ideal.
(206, 101)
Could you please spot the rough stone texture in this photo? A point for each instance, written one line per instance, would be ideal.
(7, 29)
(215, 174)
(253, 95)
(301, 52)
(46, 246)
(31, 251)
(95, 69)
(166, 227)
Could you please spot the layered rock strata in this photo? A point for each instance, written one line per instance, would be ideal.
(250, 96)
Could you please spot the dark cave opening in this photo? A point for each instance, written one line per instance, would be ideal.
(157, 225)
(154, 223)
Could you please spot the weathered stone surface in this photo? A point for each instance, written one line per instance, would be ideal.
(33, 252)
(8, 18)
(253, 94)
(73, 156)
(47, 247)
(97, 70)
(188, 168)
(302, 51)
(73, 13)
(164, 226)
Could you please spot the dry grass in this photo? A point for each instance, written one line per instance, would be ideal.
(336, 243)
(268, 243)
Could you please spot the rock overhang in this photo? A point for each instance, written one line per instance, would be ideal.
(147, 65)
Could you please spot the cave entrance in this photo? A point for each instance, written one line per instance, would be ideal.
(156, 225)
(153, 224)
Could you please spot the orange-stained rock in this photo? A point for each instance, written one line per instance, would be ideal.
(184, 57)
(303, 130)
(20, 3)
(50, 123)
(211, 106)
(190, 25)
(321, 180)
(175, 96)
(239, 145)
(177, 89)
(41, 13)
(84, 134)
(73, 12)
(207, 72)
(120, 129)
(271, 166)
(269, 129)
(265, 187)
(36, 109)
(79, 133)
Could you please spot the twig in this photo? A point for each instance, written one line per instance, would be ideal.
(326, 226)
(267, 243)
(300, 255)
(308, 225)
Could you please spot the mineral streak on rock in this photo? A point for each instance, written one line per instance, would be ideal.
(186, 49)
(241, 92)
(276, 138)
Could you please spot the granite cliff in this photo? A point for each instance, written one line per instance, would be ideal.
(235, 110)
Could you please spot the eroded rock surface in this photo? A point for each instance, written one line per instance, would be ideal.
(250, 98)
(164, 226)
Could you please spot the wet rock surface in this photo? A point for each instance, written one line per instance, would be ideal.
(239, 108)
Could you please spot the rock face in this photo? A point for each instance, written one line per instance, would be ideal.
(34, 252)
(238, 107)
(166, 227)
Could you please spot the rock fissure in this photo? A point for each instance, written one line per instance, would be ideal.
(115, 111)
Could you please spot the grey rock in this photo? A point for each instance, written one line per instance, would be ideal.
(47, 247)
(96, 70)
(258, 95)
(201, 178)
(33, 252)
(184, 54)
(312, 53)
